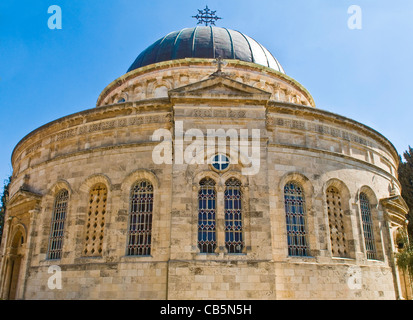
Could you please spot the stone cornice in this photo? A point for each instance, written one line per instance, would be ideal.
(23, 196)
(219, 88)
(94, 114)
(323, 115)
(143, 108)
(396, 209)
(374, 168)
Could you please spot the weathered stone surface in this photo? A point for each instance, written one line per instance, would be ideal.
(112, 145)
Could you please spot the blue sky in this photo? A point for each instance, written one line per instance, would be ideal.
(45, 74)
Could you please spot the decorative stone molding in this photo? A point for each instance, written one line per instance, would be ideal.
(193, 70)
(275, 122)
(140, 174)
(94, 180)
(396, 210)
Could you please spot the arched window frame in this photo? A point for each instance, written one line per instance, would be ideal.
(140, 219)
(368, 226)
(296, 220)
(18, 235)
(346, 219)
(337, 223)
(95, 220)
(57, 227)
(233, 206)
(207, 211)
(220, 180)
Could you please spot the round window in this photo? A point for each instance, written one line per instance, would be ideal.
(220, 162)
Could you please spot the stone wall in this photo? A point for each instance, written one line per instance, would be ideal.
(112, 145)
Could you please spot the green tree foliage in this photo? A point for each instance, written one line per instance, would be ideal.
(3, 200)
(404, 257)
(406, 181)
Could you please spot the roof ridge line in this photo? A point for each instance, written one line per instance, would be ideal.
(176, 40)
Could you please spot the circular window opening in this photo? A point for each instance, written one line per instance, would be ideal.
(220, 162)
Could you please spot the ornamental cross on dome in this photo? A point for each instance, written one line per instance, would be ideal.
(207, 17)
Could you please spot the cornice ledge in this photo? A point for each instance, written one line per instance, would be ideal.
(396, 209)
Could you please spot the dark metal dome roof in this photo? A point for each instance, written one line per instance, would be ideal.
(206, 42)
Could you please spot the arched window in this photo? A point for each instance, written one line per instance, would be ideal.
(368, 228)
(336, 223)
(295, 212)
(206, 216)
(58, 225)
(140, 219)
(233, 216)
(95, 223)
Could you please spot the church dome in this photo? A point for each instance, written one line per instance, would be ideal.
(206, 42)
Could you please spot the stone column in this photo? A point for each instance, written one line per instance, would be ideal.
(6, 277)
(220, 219)
(5, 258)
(395, 211)
(393, 263)
(29, 247)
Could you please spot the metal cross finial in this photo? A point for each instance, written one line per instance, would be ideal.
(207, 17)
(220, 62)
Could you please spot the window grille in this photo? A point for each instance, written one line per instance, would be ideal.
(233, 216)
(140, 219)
(295, 220)
(95, 223)
(206, 216)
(336, 223)
(368, 229)
(58, 225)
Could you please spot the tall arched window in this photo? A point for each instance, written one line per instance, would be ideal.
(95, 222)
(233, 216)
(140, 219)
(295, 213)
(58, 225)
(368, 228)
(336, 223)
(206, 216)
